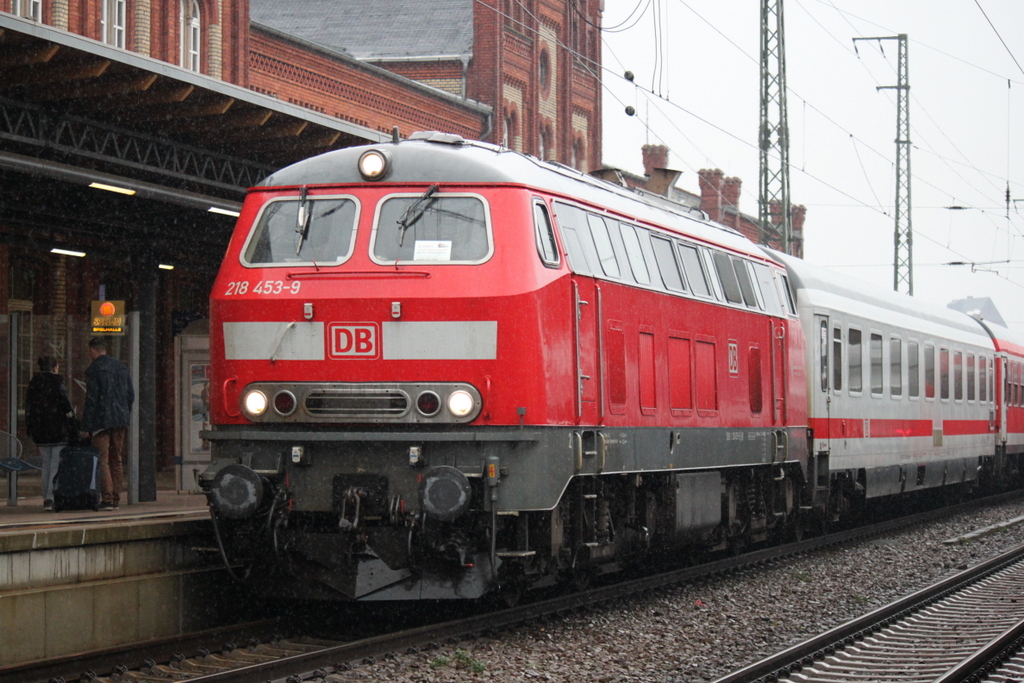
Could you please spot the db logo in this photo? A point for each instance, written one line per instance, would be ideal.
(353, 340)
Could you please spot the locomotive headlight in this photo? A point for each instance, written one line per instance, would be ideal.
(460, 403)
(373, 164)
(255, 403)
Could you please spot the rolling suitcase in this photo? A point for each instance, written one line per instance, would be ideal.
(77, 484)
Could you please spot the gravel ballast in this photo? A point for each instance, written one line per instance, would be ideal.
(699, 632)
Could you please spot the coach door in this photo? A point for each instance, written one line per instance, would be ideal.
(589, 376)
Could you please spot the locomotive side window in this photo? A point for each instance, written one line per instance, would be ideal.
(694, 270)
(971, 378)
(746, 285)
(293, 231)
(603, 243)
(573, 222)
(856, 361)
(727, 276)
(895, 367)
(913, 369)
(670, 274)
(929, 371)
(545, 234)
(432, 228)
(769, 291)
(876, 364)
(634, 254)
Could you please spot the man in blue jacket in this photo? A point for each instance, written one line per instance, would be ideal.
(109, 396)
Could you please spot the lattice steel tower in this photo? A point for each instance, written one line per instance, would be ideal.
(903, 235)
(773, 206)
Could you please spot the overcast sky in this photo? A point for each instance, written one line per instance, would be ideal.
(696, 91)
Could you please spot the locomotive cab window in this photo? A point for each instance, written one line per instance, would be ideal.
(432, 228)
(546, 246)
(310, 230)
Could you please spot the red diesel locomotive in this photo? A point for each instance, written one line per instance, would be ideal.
(441, 367)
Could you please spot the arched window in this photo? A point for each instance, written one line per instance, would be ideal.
(29, 9)
(508, 134)
(113, 22)
(191, 25)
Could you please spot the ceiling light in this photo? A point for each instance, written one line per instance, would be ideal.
(111, 188)
(164, 266)
(226, 212)
(67, 252)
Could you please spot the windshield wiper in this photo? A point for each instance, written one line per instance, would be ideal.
(302, 223)
(416, 209)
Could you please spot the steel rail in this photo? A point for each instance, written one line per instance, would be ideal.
(781, 664)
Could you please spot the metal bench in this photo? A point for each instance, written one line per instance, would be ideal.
(12, 462)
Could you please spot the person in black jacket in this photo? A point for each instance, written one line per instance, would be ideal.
(109, 396)
(48, 414)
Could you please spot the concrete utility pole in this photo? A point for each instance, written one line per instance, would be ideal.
(773, 205)
(903, 237)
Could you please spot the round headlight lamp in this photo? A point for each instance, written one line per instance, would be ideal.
(460, 403)
(428, 403)
(284, 403)
(255, 403)
(374, 164)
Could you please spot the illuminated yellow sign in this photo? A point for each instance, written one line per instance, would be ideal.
(108, 318)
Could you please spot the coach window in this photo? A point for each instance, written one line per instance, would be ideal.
(546, 246)
(323, 235)
(982, 379)
(634, 254)
(694, 269)
(971, 378)
(603, 244)
(877, 379)
(837, 358)
(913, 369)
(432, 228)
(727, 276)
(929, 371)
(856, 361)
(958, 375)
(944, 373)
(823, 354)
(895, 367)
(670, 274)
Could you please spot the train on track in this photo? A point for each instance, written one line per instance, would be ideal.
(441, 369)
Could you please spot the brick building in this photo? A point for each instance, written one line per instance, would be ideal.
(534, 62)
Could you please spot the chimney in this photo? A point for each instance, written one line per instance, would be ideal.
(731, 192)
(655, 156)
(711, 193)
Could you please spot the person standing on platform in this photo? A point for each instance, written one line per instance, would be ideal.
(109, 396)
(48, 415)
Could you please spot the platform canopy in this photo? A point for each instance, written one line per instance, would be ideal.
(74, 112)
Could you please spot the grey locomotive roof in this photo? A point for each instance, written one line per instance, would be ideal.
(447, 159)
(382, 29)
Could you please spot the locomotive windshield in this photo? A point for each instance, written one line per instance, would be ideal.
(434, 228)
(323, 236)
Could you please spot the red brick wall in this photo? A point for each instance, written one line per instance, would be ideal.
(351, 91)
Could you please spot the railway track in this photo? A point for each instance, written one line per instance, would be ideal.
(957, 629)
(261, 658)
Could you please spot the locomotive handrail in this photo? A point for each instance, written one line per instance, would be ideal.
(251, 434)
(356, 275)
(224, 397)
